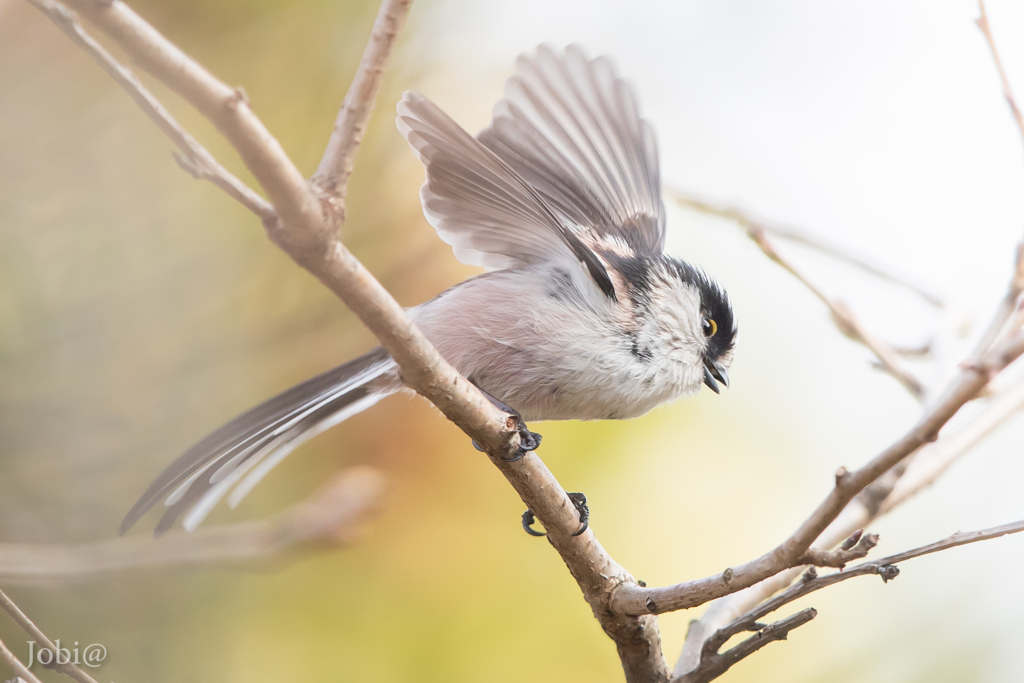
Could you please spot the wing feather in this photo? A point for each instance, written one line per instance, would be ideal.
(481, 206)
(571, 129)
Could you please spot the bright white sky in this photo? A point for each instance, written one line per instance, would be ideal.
(880, 125)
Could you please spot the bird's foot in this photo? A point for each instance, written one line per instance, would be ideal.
(528, 441)
(579, 501)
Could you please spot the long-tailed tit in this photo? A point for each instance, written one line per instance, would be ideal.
(581, 317)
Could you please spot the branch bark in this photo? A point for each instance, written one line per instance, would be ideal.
(68, 669)
(330, 518)
(306, 229)
(982, 22)
(633, 599)
(305, 225)
(194, 159)
(805, 237)
(758, 230)
(20, 669)
(713, 664)
(339, 158)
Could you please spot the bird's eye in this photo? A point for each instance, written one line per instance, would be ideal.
(709, 326)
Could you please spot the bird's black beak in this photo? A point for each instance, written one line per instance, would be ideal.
(713, 371)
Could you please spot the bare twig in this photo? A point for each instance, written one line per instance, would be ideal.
(66, 668)
(630, 598)
(982, 22)
(885, 494)
(858, 545)
(195, 159)
(884, 567)
(20, 669)
(331, 518)
(844, 319)
(307, 230)
(711, 661)
(748, 220)
(757, 230)
(718, 664)
(1005, 311)
(339, 158)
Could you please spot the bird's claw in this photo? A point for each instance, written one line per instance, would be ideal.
(528, 520)
(528, 441)
(579, 501)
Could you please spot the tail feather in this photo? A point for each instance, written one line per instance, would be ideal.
(246, 448)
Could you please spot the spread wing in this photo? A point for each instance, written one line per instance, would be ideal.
(481, 206)
(571, 129)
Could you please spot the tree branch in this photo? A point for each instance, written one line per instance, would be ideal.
(15, 663)
(630, 598)
(195, 159)
(888, 492)
(982, 22)
(66, 668)
(330, 518)
(851, 327)
(307, 230)
(844, 319)
(717, 664)
(711, 662)
(801, 236)
(339, 158)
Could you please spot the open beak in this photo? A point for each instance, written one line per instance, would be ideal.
(713, 371)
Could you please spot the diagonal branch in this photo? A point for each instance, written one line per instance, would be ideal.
(195, 159)
(339, 158)
(631, 598)
(844, 319)
(888, 492)
(20, 669)
(713, 664)
(66, 668)
(757, 230)
(884, 567)
(330, 518)
(306, 229)
(800, 236)
(982, 22)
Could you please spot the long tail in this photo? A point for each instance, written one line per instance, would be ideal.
(243, 451)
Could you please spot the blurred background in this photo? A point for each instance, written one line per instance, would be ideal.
(139, 309)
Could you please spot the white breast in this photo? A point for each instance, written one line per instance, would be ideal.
(529, 339)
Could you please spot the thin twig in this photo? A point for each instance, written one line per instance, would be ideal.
(711, 661)
(631, 598)
(307, 230)
(15, 663)
(330, 518)
(339, 158)
(881, 567)
(66, 668)
(982, 22)
(194, 159)
(757, 230)
(718, 664)
(885, 494)
(801, 236)
(844, 319)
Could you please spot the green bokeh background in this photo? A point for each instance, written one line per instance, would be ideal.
(140, 309)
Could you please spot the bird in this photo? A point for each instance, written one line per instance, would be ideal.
(578, 315)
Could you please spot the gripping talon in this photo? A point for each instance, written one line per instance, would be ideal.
(528, 520)
(579, 501)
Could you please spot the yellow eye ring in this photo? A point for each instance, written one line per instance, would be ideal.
(710, 327)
